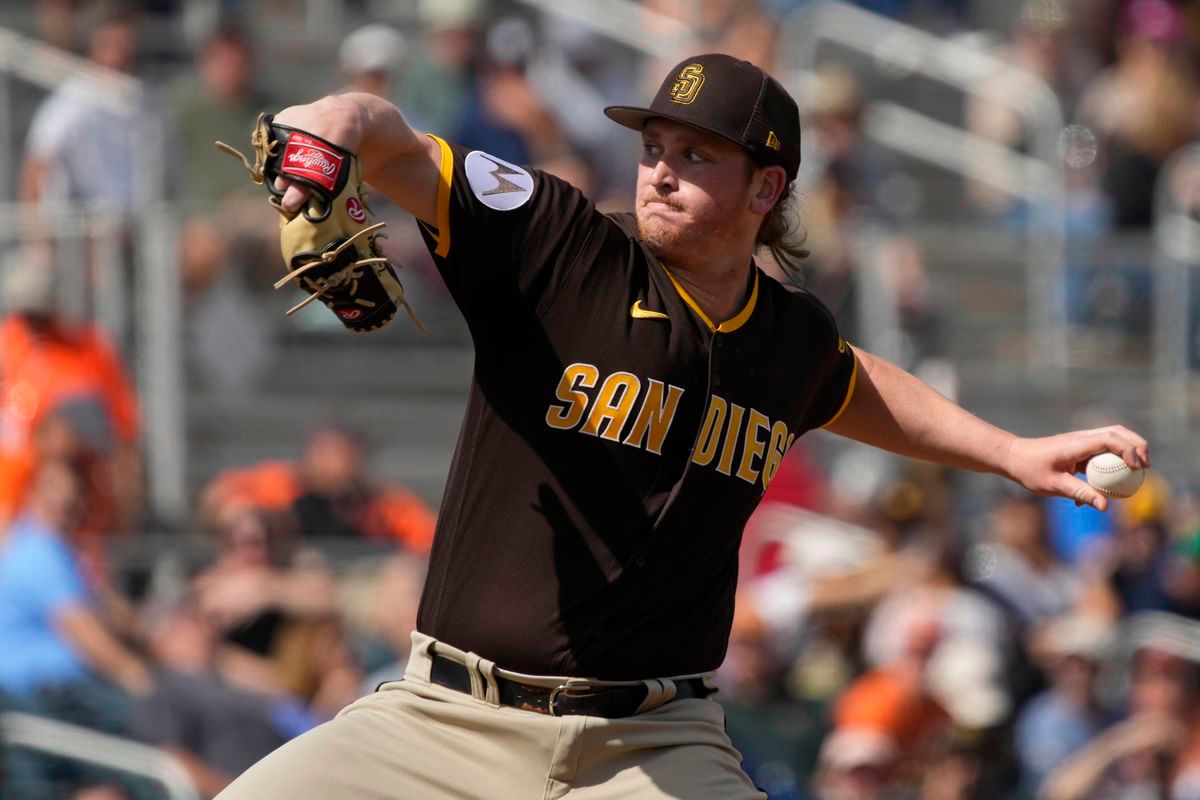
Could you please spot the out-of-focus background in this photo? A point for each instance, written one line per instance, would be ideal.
(215, 517)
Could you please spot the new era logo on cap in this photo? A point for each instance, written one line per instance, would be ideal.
(740, 102)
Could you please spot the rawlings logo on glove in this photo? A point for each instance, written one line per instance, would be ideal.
(330, 249)
(305, 157)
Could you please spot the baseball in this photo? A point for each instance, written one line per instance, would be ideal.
(1111, 476)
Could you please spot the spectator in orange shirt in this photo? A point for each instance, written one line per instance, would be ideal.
(330, 493)
(895, 700)
(54, 367)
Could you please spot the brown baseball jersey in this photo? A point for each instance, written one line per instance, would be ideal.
(615, 441)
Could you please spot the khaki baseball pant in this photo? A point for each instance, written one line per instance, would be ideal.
(413, 740)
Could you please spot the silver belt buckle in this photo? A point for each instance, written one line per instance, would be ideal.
(555, 693)
(567, 688)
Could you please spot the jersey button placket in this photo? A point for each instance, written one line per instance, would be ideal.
(718, 342)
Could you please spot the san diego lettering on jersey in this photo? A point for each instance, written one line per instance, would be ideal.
(735, 440)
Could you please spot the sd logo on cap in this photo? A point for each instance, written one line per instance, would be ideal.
(688, 84)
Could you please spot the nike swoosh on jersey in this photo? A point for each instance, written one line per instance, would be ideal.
(637, 312)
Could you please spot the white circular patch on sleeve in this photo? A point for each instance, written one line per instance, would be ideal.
(497, 183)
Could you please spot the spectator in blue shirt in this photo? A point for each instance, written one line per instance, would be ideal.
(61, 659)
(1068, 715)
(50, 634)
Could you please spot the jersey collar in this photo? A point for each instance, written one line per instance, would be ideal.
(733, 323)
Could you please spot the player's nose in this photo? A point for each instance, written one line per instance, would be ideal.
(662, 175)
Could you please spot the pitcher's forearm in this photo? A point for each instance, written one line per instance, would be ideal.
(893, 410)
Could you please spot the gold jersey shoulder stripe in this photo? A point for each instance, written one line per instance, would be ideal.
(849, 389)
(446, 175)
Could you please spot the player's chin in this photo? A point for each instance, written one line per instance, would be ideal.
(662, 245)
(661, 235)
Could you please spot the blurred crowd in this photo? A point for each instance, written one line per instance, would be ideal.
(898, 634)
(883, 649)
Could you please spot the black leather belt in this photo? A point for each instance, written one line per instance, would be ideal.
(609, 702)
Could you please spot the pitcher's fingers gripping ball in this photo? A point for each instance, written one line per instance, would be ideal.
(1108, 474)
(330, 245)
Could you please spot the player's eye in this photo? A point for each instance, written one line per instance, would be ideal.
(694, 156)
(651, 149)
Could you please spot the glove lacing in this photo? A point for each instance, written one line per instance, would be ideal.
(262, 150)
(348, 274)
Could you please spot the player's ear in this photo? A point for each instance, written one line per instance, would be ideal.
(768, 185)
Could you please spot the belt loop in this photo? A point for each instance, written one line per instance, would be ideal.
(658, 692)
(420, 658)
(478, 690)
(487, 671)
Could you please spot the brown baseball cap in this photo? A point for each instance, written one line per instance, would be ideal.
(730, 98)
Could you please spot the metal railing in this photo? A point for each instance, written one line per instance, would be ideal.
(894, 48)
(1177, 240)
(102, 298)
(81, 744)
(630, 23)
